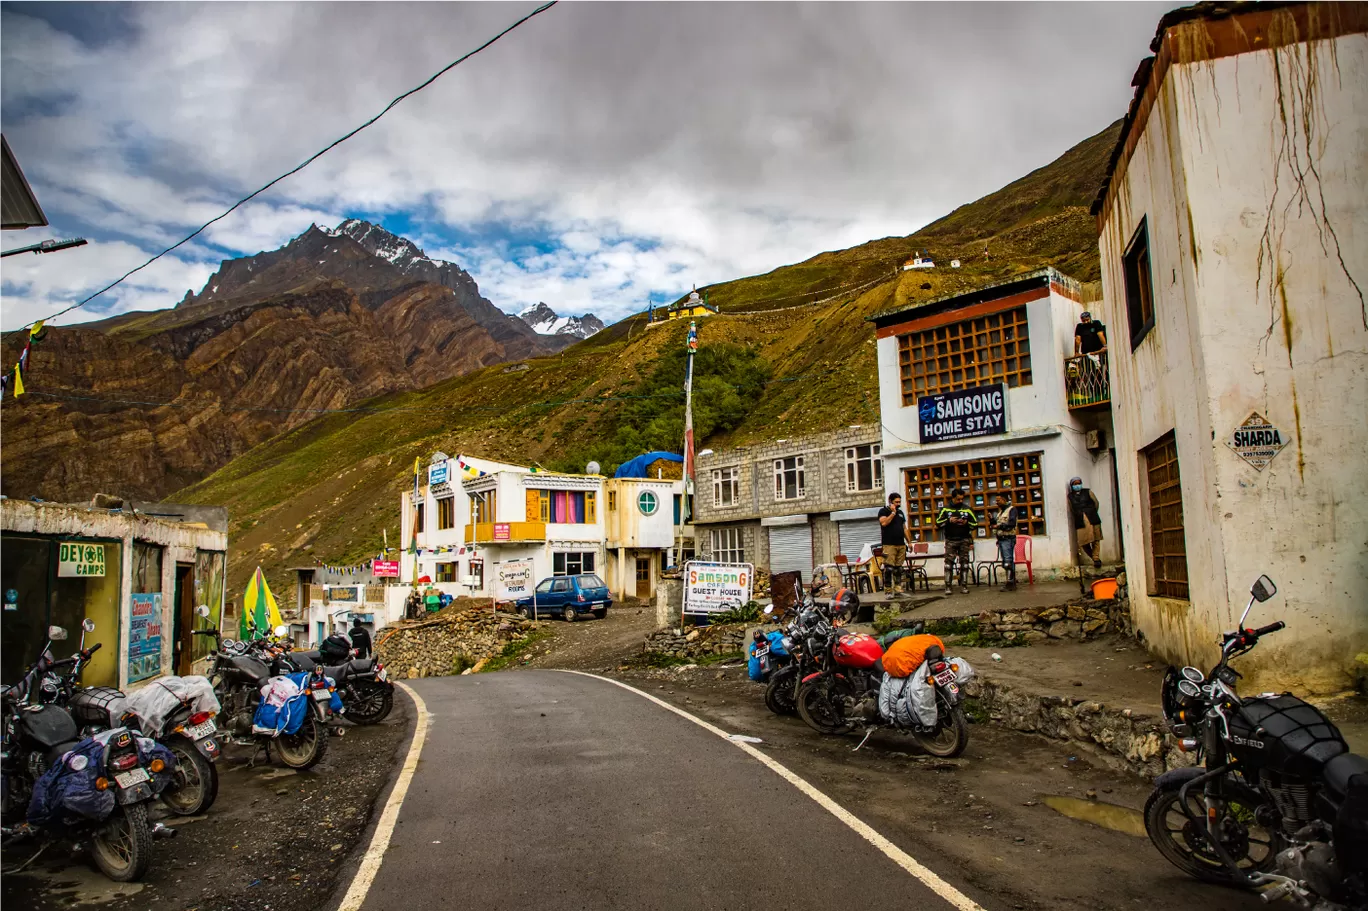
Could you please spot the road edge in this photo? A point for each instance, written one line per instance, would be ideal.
(925, 875)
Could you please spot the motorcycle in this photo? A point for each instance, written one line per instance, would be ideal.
(845, 694)
(240, 671)
(43, 752)
(362, 683)
(189, 735)
(1276, 802)
(804, 634)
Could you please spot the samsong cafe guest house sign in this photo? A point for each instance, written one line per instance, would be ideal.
(961, 414)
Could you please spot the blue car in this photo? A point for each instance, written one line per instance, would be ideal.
(569, 597)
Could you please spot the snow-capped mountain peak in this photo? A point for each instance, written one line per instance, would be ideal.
(398, 251)
(545, 321)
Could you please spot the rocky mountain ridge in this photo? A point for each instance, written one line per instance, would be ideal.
(545, 321)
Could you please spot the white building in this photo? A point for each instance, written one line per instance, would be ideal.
(1004, 353)
(1234, 252)
(642, 532)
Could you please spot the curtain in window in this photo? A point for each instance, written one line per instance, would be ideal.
(567, 507)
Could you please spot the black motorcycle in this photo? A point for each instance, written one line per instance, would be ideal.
(37, 734)
(189, 735)
(1277, 801)
(804, 636)
(240, 671)
(362, 683)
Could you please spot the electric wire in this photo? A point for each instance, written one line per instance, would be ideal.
(295, 170)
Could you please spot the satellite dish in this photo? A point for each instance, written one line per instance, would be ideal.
(591, 468)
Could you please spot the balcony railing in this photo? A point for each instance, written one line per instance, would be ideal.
(1085, 381)
(499, 532)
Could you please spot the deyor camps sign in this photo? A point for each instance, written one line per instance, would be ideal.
(76, 559)
(713, 587)
(961, 414)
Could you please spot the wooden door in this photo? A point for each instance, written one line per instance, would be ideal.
(643, 578)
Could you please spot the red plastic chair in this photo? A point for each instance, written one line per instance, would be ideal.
(1023, 555)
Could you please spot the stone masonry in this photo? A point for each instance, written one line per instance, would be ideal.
(726, 639)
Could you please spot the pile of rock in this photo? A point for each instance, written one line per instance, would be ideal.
(1083, 618)
(431, 647)
(722, 639)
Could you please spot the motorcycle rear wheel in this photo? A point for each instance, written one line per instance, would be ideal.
(122, 847)
(306, 747)
(819, 704)
(196, 780)
(371, 704)
(1184, 843)
(780, 695)
(951, 735)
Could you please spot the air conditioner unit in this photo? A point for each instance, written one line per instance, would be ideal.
(1097, 439)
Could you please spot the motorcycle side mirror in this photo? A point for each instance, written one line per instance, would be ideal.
(1263, 589)
(57, 633)
(88, 625)
(202, 611)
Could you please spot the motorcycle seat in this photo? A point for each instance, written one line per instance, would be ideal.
(1345, 771)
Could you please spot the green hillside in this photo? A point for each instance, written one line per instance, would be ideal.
(793, 355)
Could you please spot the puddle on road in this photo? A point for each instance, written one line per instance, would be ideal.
(76, 885)
(1107, 815)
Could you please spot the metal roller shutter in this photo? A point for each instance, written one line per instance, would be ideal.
(855, 535)
(791, 549)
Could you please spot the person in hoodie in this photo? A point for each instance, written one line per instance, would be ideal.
(1087, 522)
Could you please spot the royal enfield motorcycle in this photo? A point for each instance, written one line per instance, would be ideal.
(1276, 803)
(362, 683)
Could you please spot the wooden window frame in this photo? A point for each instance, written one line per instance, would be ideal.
(446, 513)
(482, 507)
(446, 572)
(781, 472)
(975, 475)
(1166, 537)
(1138, 268)
(735, 549)
(726, 479)
(937, 359)
(590, 507)
(854, 458)
(585, 559)
(612, 500)
(421, 517)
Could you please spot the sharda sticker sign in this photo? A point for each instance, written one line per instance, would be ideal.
(963, 413)
(1256, 441)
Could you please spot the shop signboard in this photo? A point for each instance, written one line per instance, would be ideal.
(75, 558)
(144, 637)
(501, 531)
(515, 580)
(438, 474)
(1256, 441)
(385, 569)
(349, 593)
(961, 414)
(713, 587)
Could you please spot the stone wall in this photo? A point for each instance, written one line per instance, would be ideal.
(700, 642)
(429, 648)
(1083, 618)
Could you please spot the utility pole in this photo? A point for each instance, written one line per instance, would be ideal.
(688, 424)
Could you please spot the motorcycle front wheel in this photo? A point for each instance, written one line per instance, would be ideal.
(368, 702)
(196, 780)
(820, 703)
(1185, 844)
(306, 747)
(780, 695)
(122, 847)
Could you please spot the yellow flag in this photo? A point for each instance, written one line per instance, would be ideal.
(18, 381)
(37, 327)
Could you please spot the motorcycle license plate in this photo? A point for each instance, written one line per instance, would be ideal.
(946, 678)
(322, 695)
(130, 778)
(761, 652)
(200, 731)
(382, 675)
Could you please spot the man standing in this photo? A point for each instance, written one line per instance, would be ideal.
(1004, 521)
(956, 523)
(360, 638)
(893, 537)
(1090, 336)
(1087, 521)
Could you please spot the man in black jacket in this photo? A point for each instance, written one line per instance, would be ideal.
(360, 639)
(956, 522)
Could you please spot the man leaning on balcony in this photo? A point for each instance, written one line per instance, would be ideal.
(1090, 335)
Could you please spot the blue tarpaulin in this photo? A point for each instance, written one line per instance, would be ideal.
(636, 468)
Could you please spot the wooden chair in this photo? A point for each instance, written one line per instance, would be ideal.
(846, 569)
(917, 555)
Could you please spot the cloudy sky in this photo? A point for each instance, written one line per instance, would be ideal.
(600, 156)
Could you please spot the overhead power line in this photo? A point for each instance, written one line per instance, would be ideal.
(295, 170)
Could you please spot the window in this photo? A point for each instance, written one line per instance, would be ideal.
(612, 500)
(647, 503)
(1139, 291)
(446, 513)
(590, 508)
(544, 587)
(420, 518)
(482, 507)
(643, 571)
(788, 478)
(987, 349)
(864, 468)
(571, 507)
(572, 564)
(446, 572)
(728, 545)
(1018, 476)
(726, 486)
(560, 585)
(1168, 545)
(678, 506)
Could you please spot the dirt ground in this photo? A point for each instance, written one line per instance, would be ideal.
(273, 839)
(981, 819)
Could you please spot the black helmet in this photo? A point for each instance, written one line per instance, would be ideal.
(845, 603)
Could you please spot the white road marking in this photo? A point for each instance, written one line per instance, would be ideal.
(370, 864)
(900, 857)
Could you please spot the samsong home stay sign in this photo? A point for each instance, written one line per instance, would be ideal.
(963, 413)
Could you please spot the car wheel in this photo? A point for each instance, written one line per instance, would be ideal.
(569, 613)
(525, 613)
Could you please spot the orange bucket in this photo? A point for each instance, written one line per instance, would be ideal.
(1104, 589)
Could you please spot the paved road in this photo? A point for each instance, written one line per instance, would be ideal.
(557, 791)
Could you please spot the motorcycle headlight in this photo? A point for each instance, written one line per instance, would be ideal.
(787, 643)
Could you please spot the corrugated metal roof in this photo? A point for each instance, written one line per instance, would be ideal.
(19, 206)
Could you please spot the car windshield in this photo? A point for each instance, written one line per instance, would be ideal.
(589, 580)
